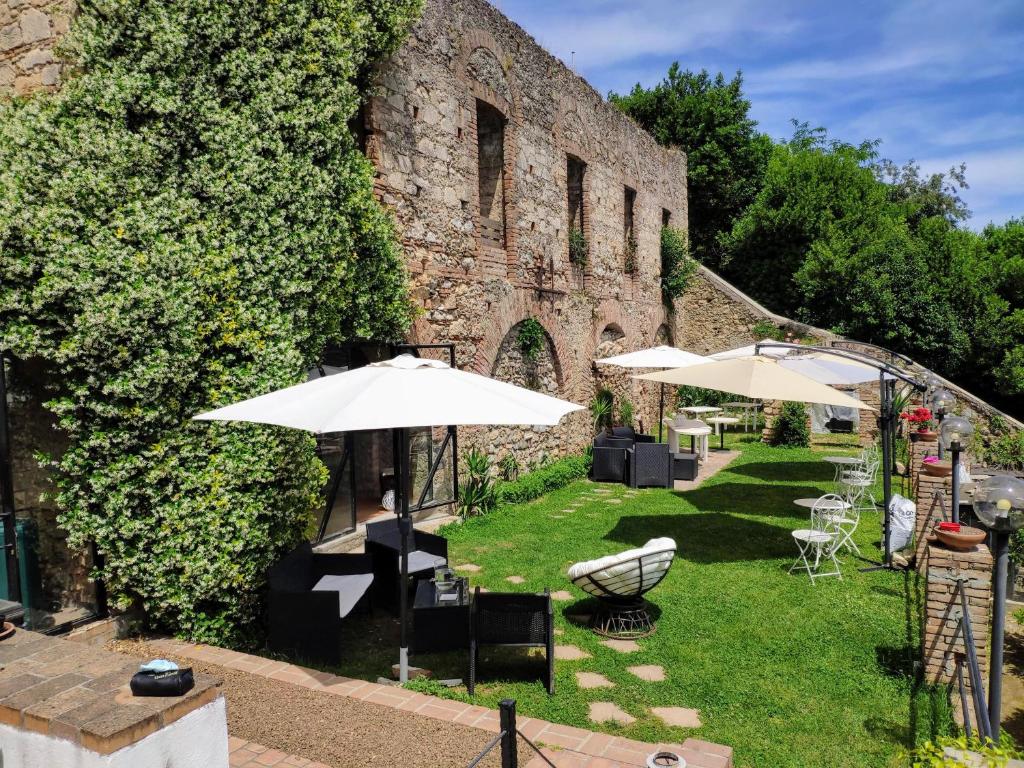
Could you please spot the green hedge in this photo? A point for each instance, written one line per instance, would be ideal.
(552, 477)
(185, 224)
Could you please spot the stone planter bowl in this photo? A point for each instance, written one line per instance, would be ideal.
(967, 537)
(938, 468)
(924, 437)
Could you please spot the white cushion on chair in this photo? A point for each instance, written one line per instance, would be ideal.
(350, 588)
(613, 567)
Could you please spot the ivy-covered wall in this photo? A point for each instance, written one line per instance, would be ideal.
(186, 223)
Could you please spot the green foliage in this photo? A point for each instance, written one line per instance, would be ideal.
(1006, 451)
(602, 409)
(185, 224)
(629, 261)
(535, 484)
(531, 338)
(579, 250)
(688, 396)
(707, 118)
(508, 467)
(791, 429)
(626, 412)
(477, 491)
(932, 754)
(676, 266)
(765, 329)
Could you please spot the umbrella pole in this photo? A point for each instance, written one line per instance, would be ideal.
(661, 410)
(404, 532)
(886, 425)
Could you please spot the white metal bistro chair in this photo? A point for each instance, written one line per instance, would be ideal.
(857, 485)
(821, 540)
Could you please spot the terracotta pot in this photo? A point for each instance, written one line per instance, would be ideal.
(7, 630)
(925, 437)
(966, 538)
(938, 468)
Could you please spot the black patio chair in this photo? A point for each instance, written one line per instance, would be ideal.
(649, 465)
(511, 619)
(305, 623)
(609, 458)
(427, 551)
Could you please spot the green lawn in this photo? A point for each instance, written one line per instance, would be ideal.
(786, 672)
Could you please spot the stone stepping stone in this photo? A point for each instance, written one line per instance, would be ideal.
(557, 517)
(605, 711)
(570, 653)
(468, 567)
(679, 716)
(561, 595)
(568, 511)
(514, 579)
(559, 632)
(593, 680)
(613, 501)
(603, 491)
(652, 673)
(622, 646)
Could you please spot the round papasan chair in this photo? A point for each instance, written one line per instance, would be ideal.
(619, 582)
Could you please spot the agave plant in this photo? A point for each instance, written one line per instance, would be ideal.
(477, 492)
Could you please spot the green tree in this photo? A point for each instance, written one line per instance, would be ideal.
(708, 118)
(184, 224)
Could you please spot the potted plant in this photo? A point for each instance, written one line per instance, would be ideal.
(919, 423)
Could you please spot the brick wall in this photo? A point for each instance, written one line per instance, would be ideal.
(948, 571)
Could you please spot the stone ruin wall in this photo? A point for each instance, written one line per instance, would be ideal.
(29, 30)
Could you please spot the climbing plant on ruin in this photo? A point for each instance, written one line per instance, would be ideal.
(185, 224)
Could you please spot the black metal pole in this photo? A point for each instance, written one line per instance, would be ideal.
(941, 415)
(507, 723)
(661, 410)
(404, 533)
(995, 674)
(886, 464)
(7, 495)
(954, 449)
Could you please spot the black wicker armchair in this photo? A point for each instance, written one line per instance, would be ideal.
(427, 551)
(649, 465)
(610, 462)
(511, 619)
(305, 619)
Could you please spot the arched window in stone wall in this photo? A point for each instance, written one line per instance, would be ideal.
(484, 67)
(611, 342)
(540, 371)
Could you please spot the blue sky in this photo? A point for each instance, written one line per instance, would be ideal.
(939, 82)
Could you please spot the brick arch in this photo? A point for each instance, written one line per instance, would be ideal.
(480, 38)
(509, 313)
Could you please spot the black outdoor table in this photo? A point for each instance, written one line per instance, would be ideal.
(440, 626)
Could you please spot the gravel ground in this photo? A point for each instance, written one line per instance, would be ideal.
(338, 731)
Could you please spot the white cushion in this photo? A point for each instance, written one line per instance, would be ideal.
(350, 587)
(625, 566)
(422, 561)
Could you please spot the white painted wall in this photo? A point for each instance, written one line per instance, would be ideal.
(198, 740)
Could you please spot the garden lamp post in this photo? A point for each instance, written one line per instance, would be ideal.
(942, 401)
(999, 505)
(954, 434)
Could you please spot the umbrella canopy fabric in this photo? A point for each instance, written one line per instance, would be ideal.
(403, 392)
(655, 357)
(757, 377)
(829, 370)
(748, 351)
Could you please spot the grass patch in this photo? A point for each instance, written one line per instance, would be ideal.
(786, 672)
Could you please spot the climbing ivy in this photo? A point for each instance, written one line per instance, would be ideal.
(530, 338)
(187, 223)
(677, 267)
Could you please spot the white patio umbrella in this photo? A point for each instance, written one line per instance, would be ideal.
(398, 394)
(756, 377)
(749, 351)
(656, 357)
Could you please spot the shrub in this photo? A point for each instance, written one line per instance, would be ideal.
(531, 338)
(626, 412)
(508, 467)
(477, 493)
(687, 396)
(535, 484)
(791, 430)
(765, 329)
(932, 754)
(187, 223)
(1006, 451)
(630, 264)
(602, 409)
(578, 247)
(676, 265)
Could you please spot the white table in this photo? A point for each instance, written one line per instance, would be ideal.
(697, 410)
(841, 463)
(832, 505)
(721, 422)
(749, 411)
(698, 433)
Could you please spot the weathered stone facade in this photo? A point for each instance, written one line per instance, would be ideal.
(29, 30)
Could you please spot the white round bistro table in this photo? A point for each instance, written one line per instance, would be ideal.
(842, 463)
(832, 505)
(749, 412)
(697, 410)
(721, 422)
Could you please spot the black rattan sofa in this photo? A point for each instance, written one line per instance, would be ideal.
(306, 623)
(511, 619)
(427, 551)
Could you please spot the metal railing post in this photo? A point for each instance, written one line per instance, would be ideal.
(507, 718)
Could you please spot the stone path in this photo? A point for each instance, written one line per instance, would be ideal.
(652, 673)
(566, 746)
(716, 462)
(622, 646)
(593, 680)
(606, 712)
(515, 579)
(570, 653)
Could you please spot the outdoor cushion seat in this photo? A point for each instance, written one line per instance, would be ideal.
(620, 581)
(383, 541)
(304, 614)
(423, 561)
(350, 589)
